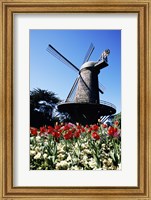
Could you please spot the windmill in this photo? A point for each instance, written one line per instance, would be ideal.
(83, 103)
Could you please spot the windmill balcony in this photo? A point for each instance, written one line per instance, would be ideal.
(108, 104)
(102, 102)
(85, 112)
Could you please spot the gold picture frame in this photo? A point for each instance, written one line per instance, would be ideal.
(7, 9)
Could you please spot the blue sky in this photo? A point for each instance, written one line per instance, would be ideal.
(47, 72)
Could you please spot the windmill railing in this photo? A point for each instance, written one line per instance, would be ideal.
(107, 104)
(101, 102)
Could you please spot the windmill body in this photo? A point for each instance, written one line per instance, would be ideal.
(85, 106)
(88, 87)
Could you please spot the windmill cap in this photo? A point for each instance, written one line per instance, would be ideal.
(88, 64)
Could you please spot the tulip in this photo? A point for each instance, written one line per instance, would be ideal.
(95, 135)
(95, 127)
(116, 123)
(104, 125)
(33, 131)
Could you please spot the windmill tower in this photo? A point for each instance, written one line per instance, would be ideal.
(83, 103)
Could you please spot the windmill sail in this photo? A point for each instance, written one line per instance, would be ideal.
(60, 57)
(71, 94)
(89, 52)
(101, 88)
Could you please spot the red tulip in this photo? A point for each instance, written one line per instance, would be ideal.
(94, 127)
(104, 126)
(89, 130)
(111, 131)
(95, 135)
(53, 133)
(57, 127)
(82, 129)
(78, 127)
(50, 129)
(33, 131)
(43, 129)
(77, 134)
(115, 130)
(66, 127)
(68, 135)
(56, 134)
(116, 123)
(73, 130)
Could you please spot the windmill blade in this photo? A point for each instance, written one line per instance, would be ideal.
(101, 88)
(60, 57)
(69, 97)
(89, 52)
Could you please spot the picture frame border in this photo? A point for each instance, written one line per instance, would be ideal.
(8, 9)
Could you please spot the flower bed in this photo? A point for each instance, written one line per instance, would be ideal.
(75, 147)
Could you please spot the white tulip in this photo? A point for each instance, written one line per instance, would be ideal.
(37, 156)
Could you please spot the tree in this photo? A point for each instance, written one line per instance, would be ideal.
(42, 103)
